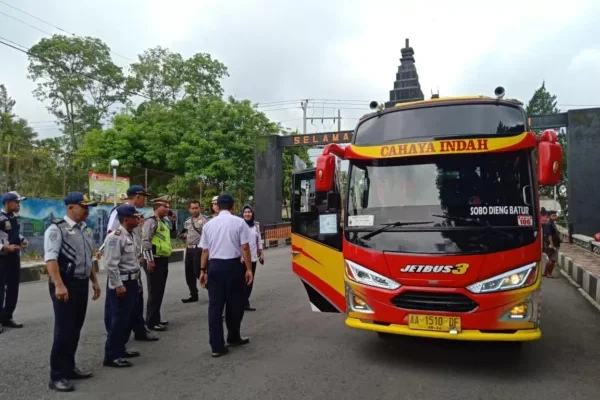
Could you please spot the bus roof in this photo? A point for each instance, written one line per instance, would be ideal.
(456, 99)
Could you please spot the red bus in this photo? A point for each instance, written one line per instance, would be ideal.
(437, 233)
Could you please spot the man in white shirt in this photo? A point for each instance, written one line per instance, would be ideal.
(224, 240)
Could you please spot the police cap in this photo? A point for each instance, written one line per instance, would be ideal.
(127, 210)
(164, 200)
(78, 198)
(137, 189)
(12, 196)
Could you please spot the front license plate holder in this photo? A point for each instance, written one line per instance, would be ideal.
(435, 323)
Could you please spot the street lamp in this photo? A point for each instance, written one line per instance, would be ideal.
(114, 164)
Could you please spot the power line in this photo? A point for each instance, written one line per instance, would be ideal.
(47, 23)
(28, 52)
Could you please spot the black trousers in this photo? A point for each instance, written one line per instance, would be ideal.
(192, 269)
(10, 276)
(138, 325)
(157, 281)
(120, 310)
(226, 288)
(249, 287)
(68, 321)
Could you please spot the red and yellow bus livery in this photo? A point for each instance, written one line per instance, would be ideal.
(437, 233)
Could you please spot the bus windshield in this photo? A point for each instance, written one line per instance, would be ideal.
(458, 200)
(442, 121)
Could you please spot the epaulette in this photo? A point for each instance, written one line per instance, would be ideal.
(58, 221)
(117, 232)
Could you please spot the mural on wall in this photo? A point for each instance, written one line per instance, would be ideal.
(37, 214)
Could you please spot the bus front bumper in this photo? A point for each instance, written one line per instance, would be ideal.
(524, 335)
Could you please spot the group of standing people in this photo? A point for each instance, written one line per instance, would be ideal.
(221, 253)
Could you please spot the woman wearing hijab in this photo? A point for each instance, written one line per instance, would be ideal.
(256, 247)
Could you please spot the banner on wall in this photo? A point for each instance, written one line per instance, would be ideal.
(102, 187)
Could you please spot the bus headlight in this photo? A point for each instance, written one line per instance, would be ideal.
(367, 277)
(515, 279)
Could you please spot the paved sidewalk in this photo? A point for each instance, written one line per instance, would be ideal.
(583, 267)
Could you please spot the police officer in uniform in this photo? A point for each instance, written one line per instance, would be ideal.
(11, 243)
(156, 249)
(136, 196)
(123, 270)
(224, 240)
(192, 231)
(68, 257)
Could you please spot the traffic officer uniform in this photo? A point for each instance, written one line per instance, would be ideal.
(70, 245)
(156, 248)
(138, 325)
(10, 261)
(123, 270)
(192, 229)
(222, 238)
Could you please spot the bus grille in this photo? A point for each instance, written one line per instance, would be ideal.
(428, 301)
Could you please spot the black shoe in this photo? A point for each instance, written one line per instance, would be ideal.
(191, 299)
(216, 354)
(248, 308)
(158, 328)
(164, 323)
(239, 342)
(1, 328)
(147, 337)
(79, 374)
(130, 354)
(61, 385)
(118, 363)
(11, 323)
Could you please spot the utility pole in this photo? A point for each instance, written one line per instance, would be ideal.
(304, 105)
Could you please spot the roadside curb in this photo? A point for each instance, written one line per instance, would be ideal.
(36, 271)
(277, 243)
(588, 285)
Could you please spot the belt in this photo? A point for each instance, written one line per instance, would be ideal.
(130, 276)
(192, 246)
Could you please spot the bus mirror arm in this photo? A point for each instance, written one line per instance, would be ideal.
(335, 149)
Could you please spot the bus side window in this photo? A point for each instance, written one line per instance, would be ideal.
(309, 204)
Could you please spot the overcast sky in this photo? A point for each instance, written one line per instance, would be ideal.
(343, 51)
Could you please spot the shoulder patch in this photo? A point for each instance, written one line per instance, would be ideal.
(53, 236)
(112, 243)
(117, 232)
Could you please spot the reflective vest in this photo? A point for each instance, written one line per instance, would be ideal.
(161, 240)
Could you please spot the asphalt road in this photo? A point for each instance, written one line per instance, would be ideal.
(297, 354)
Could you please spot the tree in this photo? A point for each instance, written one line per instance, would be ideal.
(6, 102)
(78, 78)
(28, 165)
(542, 103)
(208, 139)
(166, 77)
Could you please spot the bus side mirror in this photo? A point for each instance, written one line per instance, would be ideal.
(549, 159)
(325, 171)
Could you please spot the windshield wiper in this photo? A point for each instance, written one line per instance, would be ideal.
(462, 219)
(476, 222)
(393, 225)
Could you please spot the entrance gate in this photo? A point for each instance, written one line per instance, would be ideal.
(583, 144)
(268, 185)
